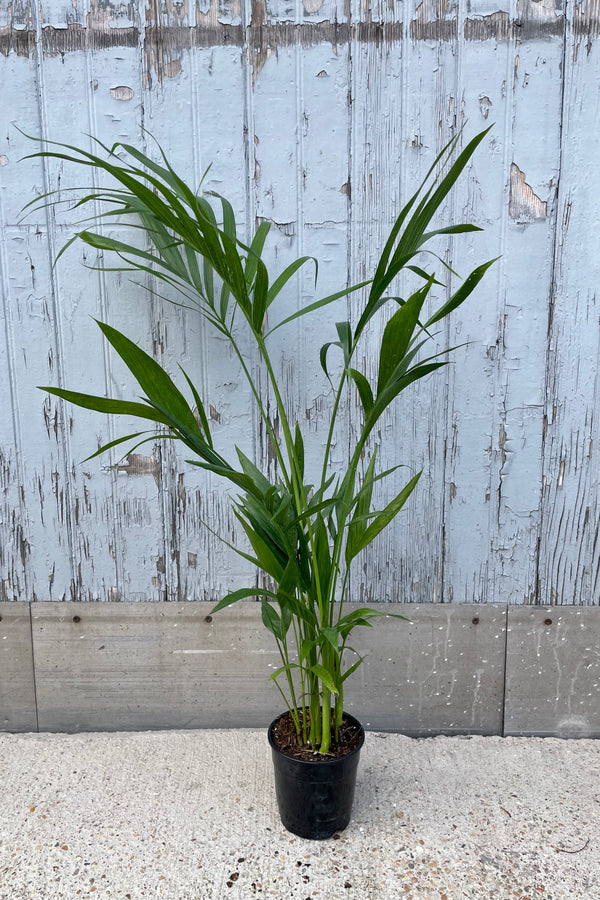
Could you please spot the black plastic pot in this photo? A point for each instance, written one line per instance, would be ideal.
(315, 798)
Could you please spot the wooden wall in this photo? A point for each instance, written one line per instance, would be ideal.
(319, 117)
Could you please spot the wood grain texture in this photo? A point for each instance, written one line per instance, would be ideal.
(319, 117)
(569, 548)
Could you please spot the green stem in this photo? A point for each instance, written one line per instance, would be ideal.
(339, 712)
(297, 481)
(283, 652)
(297, 638)
(263, 413)
(326, 716)
(291, 710)
(332, 422)
(334, 413)
(345, 505)
(315, 713)
(339, 542)
(344, 583)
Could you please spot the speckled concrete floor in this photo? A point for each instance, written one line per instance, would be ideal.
(192, 816)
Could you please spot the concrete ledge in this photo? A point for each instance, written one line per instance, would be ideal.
(17, 685)
(553, 672)
(440, 673)
(138, 666)
(452, 669)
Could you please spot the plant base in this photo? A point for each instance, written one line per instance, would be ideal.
(315, 796)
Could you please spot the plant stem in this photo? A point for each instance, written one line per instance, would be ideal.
(326, 716)
(332, 422)
(315, 713)
(263, 413)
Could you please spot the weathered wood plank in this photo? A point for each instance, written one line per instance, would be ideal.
(323, 124)
(164, 28)
(21, 312)
(138, 542)
(74, 297)
(569, 555)
(132, 666)
(495, 455)
(45, 492)
(531, 234)
(14, 530)
(303, 195)
(395, 139)
(476, 385)
(261, 88)
(553, 672)
(323, 117)
(184, 113)
(17, 684)
(14, 525)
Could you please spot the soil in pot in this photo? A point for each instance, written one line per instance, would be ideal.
(283, 732)
(315, 792)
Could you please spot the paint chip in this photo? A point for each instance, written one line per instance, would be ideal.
(485, 104)
(122, 92)
(524, 205)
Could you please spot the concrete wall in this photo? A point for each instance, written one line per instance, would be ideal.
(451, 669)
(320, 117)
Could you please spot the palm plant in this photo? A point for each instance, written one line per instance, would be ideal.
(304, 536)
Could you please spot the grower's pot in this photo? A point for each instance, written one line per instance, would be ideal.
(315, 796)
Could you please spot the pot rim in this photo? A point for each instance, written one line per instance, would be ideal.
(317, 762)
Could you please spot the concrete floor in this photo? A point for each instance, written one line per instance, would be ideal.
(192, 816)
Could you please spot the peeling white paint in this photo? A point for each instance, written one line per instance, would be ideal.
(524, 205)
(323, 123)
(122, 92)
